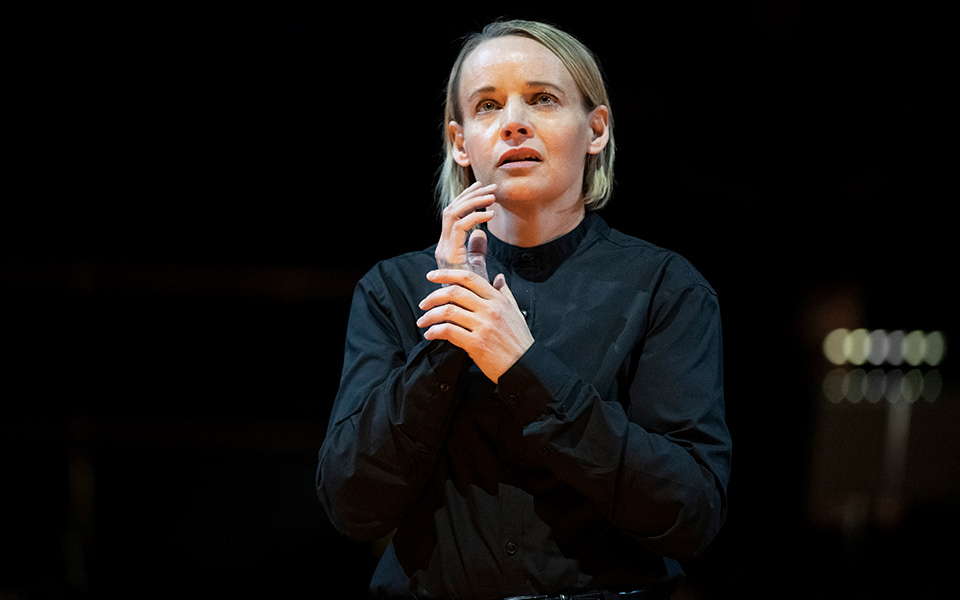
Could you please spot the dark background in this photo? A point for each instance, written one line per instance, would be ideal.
(191, 199)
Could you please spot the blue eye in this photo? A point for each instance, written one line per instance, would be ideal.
(480, 107)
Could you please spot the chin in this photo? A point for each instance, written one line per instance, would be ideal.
(518, 191)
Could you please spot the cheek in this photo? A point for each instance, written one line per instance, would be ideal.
(571, 146)
(476, 142)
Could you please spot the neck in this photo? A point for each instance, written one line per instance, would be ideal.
(536, 225)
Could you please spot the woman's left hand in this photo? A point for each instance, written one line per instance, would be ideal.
(483, 319)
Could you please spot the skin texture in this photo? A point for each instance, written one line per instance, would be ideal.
(524, 207)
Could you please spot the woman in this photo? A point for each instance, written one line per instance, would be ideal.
(561, 429)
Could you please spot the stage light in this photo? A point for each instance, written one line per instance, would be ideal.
(914, 348)
(857, 346)
(833, 346)
(936, 346)
(895, 354)
(879, 347)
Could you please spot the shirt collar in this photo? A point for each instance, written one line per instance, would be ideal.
(539, 262)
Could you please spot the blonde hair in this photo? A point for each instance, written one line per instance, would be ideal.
(580, 62)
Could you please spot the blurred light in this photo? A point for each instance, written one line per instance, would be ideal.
(932, 384)
(857, 346)
(936, 345)
(833, 346)
(879, 347)
(875, 385)
(911, 386)
(914, 348)
(853, 385)
(894, 380)
(895, 340)
(833, 385)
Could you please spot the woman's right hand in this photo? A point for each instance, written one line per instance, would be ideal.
(458, 218)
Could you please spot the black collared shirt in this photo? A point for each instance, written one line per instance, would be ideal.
(599, 460)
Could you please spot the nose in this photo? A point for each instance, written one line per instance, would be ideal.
(516, 125)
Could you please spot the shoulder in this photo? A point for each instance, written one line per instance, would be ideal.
(398, 279)
(662, 268)
(402, 266)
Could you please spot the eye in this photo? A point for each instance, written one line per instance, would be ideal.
(486, 105)
(538, 99)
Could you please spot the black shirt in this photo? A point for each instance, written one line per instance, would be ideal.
(599, 460)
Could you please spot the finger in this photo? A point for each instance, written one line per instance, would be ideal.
(472, 220)
(470, 202)
(473, 190)
(477, 253)
(449, 313)
(472, 206)
(457, 222)
(458, 336)
(454, 294)
(468, 279)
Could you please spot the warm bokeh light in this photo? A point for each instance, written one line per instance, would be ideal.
(895, 342)
(879, 347)
(857, 346)
(914, 348)
(833, 346)
(936, 348)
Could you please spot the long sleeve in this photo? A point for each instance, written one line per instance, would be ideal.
(658, 464)
(389, 419)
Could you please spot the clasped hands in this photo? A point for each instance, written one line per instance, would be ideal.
(483, 319)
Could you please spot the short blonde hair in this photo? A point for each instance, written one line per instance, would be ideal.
(452, 179)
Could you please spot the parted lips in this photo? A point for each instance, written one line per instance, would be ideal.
(517, 154)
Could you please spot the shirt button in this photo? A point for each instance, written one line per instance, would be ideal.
(511, 547)
(444, 387)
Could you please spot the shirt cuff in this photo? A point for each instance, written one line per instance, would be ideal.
(535, 386)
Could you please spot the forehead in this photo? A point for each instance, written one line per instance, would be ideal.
(508, 59)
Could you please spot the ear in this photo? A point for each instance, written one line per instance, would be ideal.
(599, 119)
(455, 133)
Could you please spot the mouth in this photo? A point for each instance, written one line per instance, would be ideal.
(519, 156)
(519, 164)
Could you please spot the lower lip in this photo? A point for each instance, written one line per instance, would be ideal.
(520, 164)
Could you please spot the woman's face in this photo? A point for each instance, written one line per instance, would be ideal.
(515, 94)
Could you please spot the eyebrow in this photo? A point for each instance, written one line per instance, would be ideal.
(490, 88)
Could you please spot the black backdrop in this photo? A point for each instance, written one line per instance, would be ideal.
(192, 198)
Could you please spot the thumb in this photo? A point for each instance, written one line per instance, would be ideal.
(477, 253)
(500, 283)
